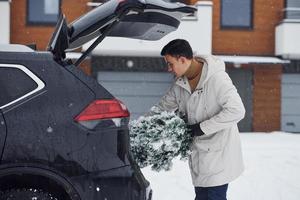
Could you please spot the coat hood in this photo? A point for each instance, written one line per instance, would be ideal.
(212, 65)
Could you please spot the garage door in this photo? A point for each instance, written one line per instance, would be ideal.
(138, 90)
(290, 103)
(242, 79)
(141, 90)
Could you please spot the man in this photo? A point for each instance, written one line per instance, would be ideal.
(204, 93)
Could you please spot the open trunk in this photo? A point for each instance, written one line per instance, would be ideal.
(139, 19)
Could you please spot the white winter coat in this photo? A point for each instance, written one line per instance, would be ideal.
(216, 157)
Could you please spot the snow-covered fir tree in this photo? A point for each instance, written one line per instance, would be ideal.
(155, 140)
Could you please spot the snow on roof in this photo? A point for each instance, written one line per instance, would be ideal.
(15, 48)
(73, 55)
(252, 59)
(227, 59)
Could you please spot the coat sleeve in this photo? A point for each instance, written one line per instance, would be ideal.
(232, 108)
(166, 103)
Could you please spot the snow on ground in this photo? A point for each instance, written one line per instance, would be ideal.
(272, 171)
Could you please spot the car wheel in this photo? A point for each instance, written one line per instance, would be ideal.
(26, 194)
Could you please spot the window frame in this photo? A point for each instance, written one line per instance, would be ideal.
(40, 23)
(238, 27)
(39, 82)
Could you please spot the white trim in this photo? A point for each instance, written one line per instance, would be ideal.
(252, 59)
(204, 3)
(73, 55)
(93, 4)
(291, 20)
(291, 9)
(38, 81)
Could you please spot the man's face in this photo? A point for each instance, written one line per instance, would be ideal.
(177, 65)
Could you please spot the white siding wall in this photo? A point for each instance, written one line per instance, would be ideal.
(4, 22)
(288, 40)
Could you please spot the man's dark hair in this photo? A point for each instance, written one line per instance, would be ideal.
(177, 48)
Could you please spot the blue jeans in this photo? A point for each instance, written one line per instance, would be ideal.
(211, 193)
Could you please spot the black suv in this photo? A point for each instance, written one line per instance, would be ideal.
(62, 135)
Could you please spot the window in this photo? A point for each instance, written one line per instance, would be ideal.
(293, 3)
(236, 13)
(43, 11)
(292, 10)
(16, 83)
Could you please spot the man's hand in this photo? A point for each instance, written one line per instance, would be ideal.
(195, 130)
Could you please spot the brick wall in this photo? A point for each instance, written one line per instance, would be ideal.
(21, 33)
(258, 41)
(86, 66)
(267, 97)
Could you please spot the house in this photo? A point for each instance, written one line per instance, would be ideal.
(256, 38)
(248, 28)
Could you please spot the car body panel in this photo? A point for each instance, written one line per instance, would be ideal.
(42, 133)
(2, 133)
(56, 125)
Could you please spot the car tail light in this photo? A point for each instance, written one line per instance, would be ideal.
(103, 109)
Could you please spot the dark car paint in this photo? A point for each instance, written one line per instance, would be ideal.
(2, 133)
(42, 132)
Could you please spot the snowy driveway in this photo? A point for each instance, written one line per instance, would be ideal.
(272, 171)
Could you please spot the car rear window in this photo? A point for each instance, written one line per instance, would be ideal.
(16, 82)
